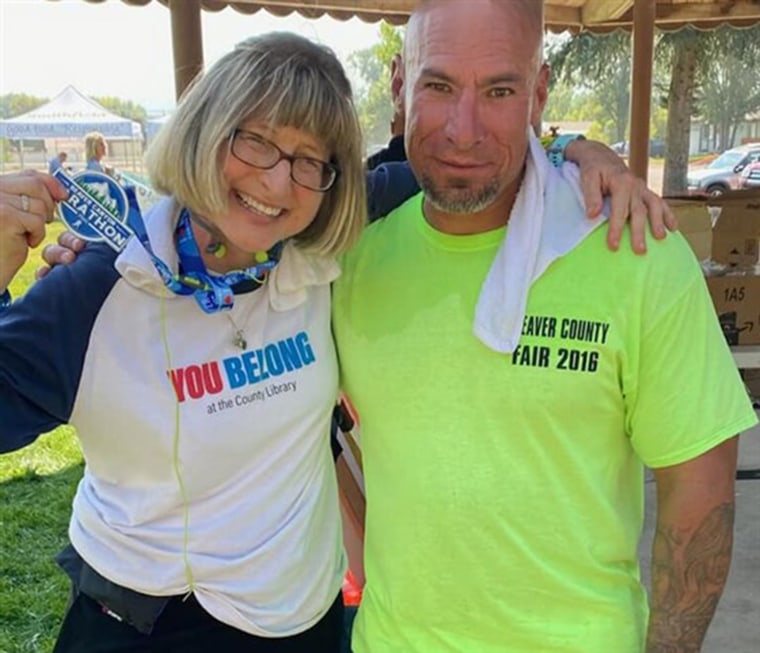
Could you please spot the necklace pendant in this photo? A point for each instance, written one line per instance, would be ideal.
(239, 340)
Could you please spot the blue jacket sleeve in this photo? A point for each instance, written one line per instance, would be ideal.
(388, 186)
(43, 342)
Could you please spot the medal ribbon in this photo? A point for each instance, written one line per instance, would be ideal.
(212, 292)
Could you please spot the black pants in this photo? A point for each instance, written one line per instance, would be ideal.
(185, 627)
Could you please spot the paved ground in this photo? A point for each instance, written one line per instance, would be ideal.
(736, 627)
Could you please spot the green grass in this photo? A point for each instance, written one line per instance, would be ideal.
(37, 485)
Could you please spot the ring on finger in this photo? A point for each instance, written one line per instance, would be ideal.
(25, 202)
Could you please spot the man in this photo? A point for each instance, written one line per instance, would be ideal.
(505, 490)
(57, 162)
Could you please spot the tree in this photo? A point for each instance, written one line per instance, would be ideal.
(602, 64)
(714, 74)
(123, 108)
(682, 47)
(14, 104)
(731, 87)
(373, 97)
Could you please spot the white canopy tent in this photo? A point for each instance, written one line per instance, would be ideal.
(153, 125)
(70, 114)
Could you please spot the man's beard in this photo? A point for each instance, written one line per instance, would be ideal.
(462, 200)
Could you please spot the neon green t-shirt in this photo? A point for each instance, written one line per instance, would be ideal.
(505, 492)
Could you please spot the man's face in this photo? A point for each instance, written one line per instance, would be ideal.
(472, 88)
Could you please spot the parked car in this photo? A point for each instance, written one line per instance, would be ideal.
(722, 174)
(656, 147)
(750, 177)
(621, 147)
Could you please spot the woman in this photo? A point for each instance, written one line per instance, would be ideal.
(95, 149)
(207, 514)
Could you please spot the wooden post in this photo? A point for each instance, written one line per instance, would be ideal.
(641, 85)
(187, 42)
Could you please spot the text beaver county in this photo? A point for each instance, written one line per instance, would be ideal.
(572, 332)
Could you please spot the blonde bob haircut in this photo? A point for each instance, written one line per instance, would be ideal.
(91, 141)
(280, 79)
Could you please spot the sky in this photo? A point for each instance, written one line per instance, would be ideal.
(113, 49)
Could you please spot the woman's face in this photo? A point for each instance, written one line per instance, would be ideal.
(266, 206)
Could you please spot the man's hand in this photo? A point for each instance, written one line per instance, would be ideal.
(27, 203)
(692, 546)
(604, 173)
(64, 252)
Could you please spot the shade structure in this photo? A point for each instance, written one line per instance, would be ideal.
(594, 15)
(70, 114)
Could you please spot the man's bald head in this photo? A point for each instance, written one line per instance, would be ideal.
(531, 10)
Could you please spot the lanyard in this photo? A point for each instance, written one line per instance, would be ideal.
(212, 292)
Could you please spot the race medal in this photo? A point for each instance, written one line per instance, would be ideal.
(96, 209)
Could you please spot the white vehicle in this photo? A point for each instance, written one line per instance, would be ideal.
(722, 174)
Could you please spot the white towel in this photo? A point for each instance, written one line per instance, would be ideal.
(547, 221)
(295, 273)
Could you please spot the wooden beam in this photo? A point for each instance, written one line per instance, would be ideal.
(708, 12)
(187, 42)
(378, 7)
(560, 17)
(604, 11)
(641, 85)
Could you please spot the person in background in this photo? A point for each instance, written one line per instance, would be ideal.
(191, 530)
(510, 395)
(57, 162)
(394, 151)
(95, 149)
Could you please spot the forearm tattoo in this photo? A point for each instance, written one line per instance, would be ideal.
(689, 570)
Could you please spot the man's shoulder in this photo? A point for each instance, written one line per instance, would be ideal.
(671, 251)
(668, 268)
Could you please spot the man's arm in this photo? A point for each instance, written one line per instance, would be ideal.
(691, 553)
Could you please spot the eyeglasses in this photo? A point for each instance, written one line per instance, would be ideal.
(258, 152)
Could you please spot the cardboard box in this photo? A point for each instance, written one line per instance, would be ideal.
(737, 303)
(751, 378)
(695, 224)
(724, 233)
(725, 229)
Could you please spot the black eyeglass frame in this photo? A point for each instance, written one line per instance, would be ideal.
(329, 166)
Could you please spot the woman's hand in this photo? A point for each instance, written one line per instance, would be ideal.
(27, 203)
(604, 173)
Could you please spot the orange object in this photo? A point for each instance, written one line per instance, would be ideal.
(352, 591)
